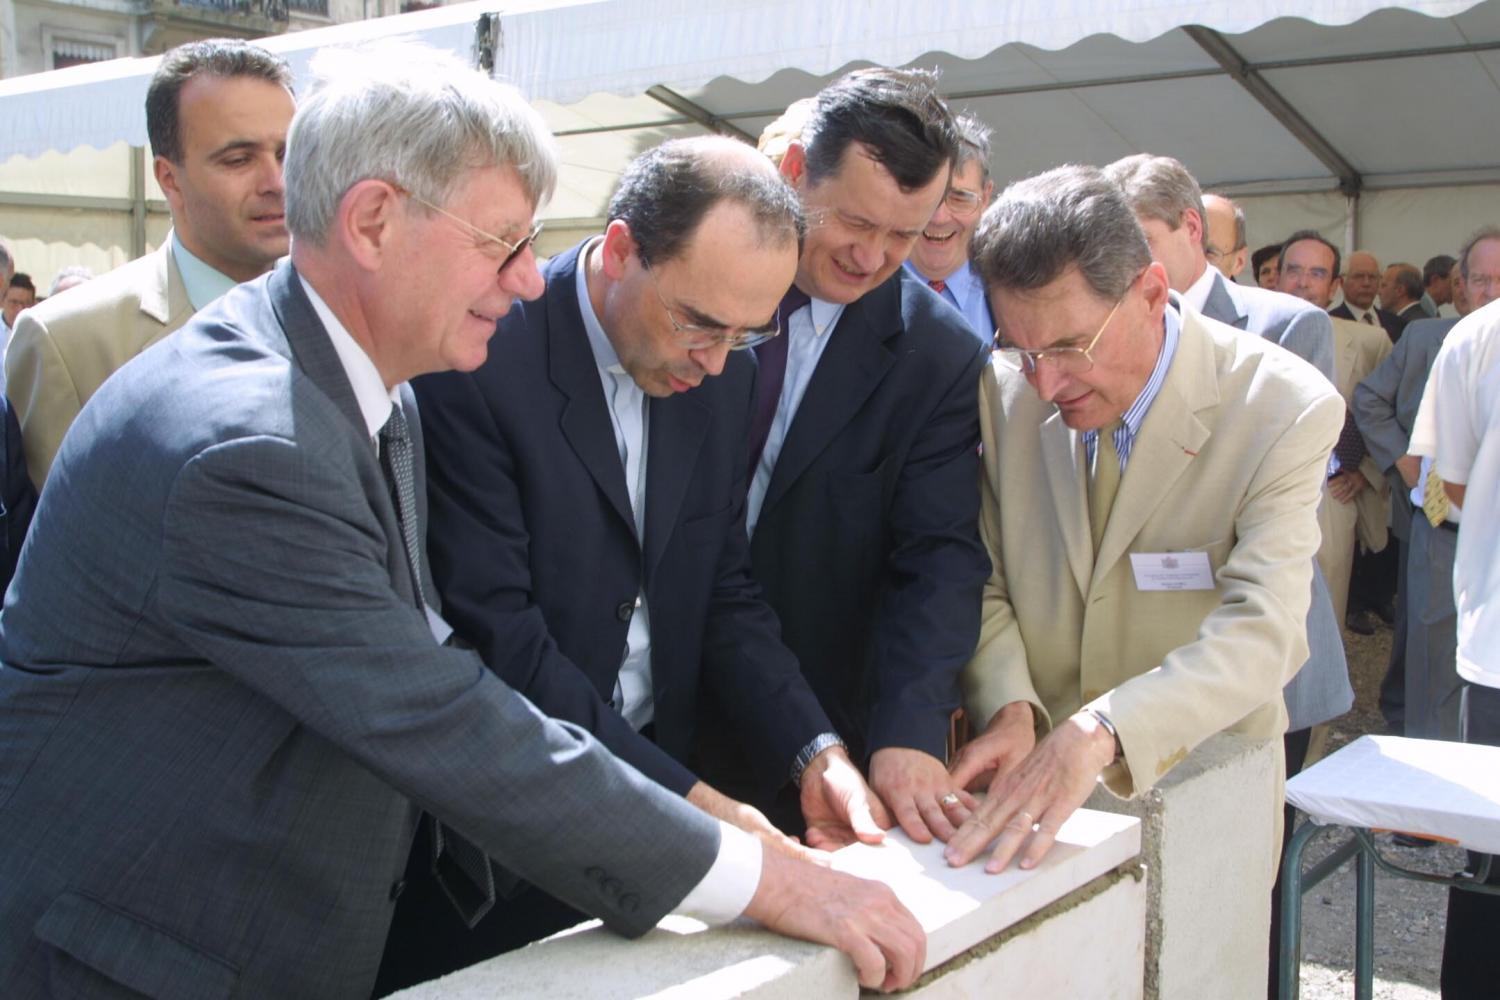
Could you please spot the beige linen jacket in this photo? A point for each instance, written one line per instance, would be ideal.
(1229, 461)
(65, 348)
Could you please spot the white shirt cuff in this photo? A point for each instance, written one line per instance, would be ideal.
(729, 885)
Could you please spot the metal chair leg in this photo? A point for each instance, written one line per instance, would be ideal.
(1364, 926)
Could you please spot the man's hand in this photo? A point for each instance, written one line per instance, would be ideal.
(1347, 485)
(862, 919)
(917, 788)
(751, 820)
(838, 806)
(1005, 742)
(1410, 467)
(1035, 799)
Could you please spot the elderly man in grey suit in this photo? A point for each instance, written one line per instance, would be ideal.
(1169, 206)
(1385, 404)
(225, 698)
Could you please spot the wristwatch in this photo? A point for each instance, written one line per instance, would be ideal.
(1109, 727)
(817, 745)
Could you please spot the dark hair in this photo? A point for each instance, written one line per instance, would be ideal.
(896, 113)
(1315, 236)
(224, 57)
(1409, 278)
(23, 280)
(1264, 254)
(1487, 233)
(665, 193)
(1437, 267)
(1067, 217)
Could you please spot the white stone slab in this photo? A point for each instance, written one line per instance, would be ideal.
(682, 958)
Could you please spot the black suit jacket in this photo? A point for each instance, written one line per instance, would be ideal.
(1388, 320)
(534, 549)
(17, 495)
(867, 543)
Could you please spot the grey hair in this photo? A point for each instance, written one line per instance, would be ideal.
(1070, 216)
(973, 144)
(7, 266)
(71, 271)
(411, 115)
(1158, 187)
(1487, 233)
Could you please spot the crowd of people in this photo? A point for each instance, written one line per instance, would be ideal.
(361, 633)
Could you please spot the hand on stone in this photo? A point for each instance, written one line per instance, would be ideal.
(990, 756)
(860, 918)
(1410, 467)
(753, 821)
(1346, 485)
(1030, 804)
(913, 785)
(837, 806)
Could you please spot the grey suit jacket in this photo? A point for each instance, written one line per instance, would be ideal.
(1385, 406)
(1320, 691)
(221, 709)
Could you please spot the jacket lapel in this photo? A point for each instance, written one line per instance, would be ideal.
(852, 365)
(1062, 457)
(1170, 438)
(1221, 305)
(677, 430)
(165, 299)
(585, 419)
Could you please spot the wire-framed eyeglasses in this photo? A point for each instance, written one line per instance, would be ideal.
(513, 250)
(1067, 360)
(696, 337)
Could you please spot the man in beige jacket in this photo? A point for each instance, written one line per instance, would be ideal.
(217, 113)
(1150, 493)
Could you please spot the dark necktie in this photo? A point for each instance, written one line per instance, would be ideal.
(1350, 449)
(462, 870)
(771, 357)
(937, 285)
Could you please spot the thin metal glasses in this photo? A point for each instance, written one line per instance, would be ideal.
(696, 337)
(513, 250)
(1067, 360)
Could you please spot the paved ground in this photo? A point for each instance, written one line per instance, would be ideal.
(1408, 915)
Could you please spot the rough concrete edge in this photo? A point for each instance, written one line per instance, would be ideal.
(1135, 869)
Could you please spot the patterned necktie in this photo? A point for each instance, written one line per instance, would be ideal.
(938, 284)
(395, 454)
(1368, 318)
(1350, 449)
(1434, 499)
(1104, 482)
(771, 358)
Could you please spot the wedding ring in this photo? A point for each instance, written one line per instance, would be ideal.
(948, 801)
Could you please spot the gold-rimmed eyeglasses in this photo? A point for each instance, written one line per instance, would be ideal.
(513, 250)
(1067, 360)
(697, 337)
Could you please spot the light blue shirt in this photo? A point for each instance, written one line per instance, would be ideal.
(1130, 422)
(626, 403)
(965, 292)
(808, 330)
(202, 283)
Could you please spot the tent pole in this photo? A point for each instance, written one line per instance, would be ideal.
(137, 202)
(1351, 223)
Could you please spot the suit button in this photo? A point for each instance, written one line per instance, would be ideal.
(397, 888)
(630, 902)
(625, 610)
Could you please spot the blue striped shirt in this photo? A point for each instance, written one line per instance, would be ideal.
(1130, 423)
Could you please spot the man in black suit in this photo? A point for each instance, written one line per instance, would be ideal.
(587, 491)
(1360, 283)
(1401, 294)
(864, 498)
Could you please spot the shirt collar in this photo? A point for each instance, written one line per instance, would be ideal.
(374, 399)
(605, 355)
(823, 314)
(1197, 293)
(202, 283)
(1136, 414)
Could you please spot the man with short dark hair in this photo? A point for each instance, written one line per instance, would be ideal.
(1149, 493)
(1401, 293)
(862, 508)
(19, 294)
(1264, 264)
(1437, 286)
(940, 256)
(587, 531)
(217, 113)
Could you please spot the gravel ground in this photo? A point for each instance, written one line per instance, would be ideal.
(1409, 916)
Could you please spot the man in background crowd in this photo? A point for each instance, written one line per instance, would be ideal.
(69, 277)
(1401, 294)
(1360, 283)
(1265, 264)
(1437, 286)
(1224, 239)
(217, 113)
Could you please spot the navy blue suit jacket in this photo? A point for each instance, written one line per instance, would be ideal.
(534, 549)
(868, 542)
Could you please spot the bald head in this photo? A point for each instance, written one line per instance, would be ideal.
(1226, 248)
(1361, 279)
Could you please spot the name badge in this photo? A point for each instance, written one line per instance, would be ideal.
(1172, 570)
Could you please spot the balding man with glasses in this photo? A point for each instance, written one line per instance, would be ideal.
(587, 496)
(1149, 496)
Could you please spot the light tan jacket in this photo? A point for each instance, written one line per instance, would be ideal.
(65, 348)
(1358, 349)
(1229, 461)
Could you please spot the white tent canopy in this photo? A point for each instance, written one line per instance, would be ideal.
(1294, 107)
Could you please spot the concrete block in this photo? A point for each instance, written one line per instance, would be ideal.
(1211, 832)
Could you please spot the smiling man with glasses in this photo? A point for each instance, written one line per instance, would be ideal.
(587, 496)
(1149, 503)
